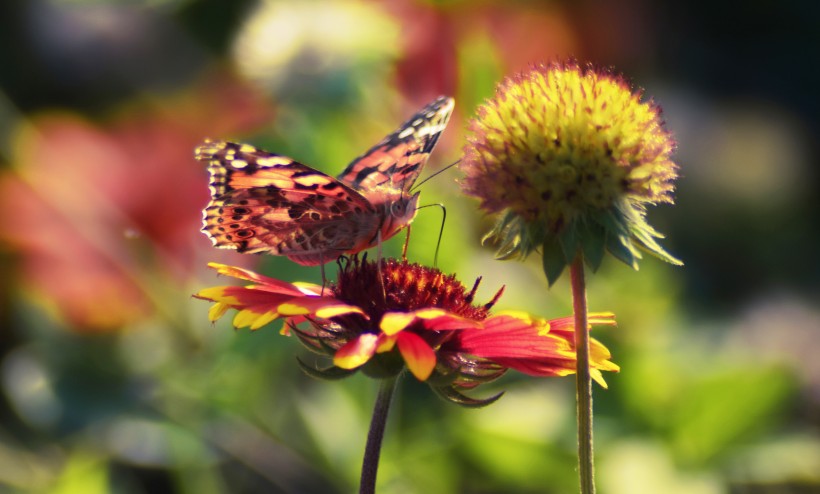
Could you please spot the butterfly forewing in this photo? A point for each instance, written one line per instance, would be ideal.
(397, 160)
(264, 202)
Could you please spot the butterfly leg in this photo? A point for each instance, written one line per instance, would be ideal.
(406, 244)
(322, 268)
(379, 266)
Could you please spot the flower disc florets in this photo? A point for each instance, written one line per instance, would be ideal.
(384, 292)
(560, 145)
(402, 286)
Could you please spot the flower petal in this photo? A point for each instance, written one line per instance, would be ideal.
(217, 310)
(247, 275)
(598, 377)
(430, 313)
(419, 357)
(386, 342)
(250, 315)
(264, 319)
(356, 352)
(337, 310)
(323, 307)
(243, 296)
(393, 322)
(452, 322)
(308, 288)
(218, 294)
(514, 336)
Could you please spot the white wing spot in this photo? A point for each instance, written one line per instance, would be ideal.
(273, 161)
(309, 180)
(246, 148)
(239, 163)
(406, 132)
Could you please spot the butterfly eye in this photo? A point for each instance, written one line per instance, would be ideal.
(397, 208)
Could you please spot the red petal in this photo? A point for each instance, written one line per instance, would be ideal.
(507, 336)
(451, 322)
(247, 275)
(249, 295)
(419, 357)
(356, 352)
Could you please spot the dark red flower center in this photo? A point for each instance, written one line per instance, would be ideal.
(401, 286)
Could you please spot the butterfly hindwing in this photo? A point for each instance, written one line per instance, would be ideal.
(397, 160)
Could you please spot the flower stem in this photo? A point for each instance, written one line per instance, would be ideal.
(583, 382)
(372, 450)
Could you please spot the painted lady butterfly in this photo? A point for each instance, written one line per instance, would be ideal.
(265, 202)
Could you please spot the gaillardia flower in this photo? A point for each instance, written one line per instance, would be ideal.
(570, 156)
(383, 318)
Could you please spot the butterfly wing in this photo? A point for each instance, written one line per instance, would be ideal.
(397, 160)
(263, 202)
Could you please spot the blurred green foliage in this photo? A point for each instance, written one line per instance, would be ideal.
(113, 380)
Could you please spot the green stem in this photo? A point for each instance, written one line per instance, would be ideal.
(372, 450)
(583, 381)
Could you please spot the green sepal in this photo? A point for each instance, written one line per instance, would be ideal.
(634, 217)
(515, 236)
(314, 344)
(501, 233)
(554, 260)
(332, 373)
(441, 379)
(594, 244)
(646, 235)
(621, 247)
(384, 365)
(569, 240)
(628, 233)
(621, 230)
(450, 394)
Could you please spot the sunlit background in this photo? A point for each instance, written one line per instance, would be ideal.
(113, 381)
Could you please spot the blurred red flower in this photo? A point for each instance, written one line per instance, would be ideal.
(433, 36)
(91, 208)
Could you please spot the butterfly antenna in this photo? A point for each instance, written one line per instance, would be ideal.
(434, 174)
(441, 230)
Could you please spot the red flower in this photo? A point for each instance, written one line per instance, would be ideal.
(99, 214)
(383, 318)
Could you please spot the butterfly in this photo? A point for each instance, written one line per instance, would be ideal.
(265, 202)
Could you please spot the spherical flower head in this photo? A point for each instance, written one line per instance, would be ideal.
(388, 317)
(570, 156)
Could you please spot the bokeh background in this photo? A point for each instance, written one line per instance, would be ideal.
(113, 381)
